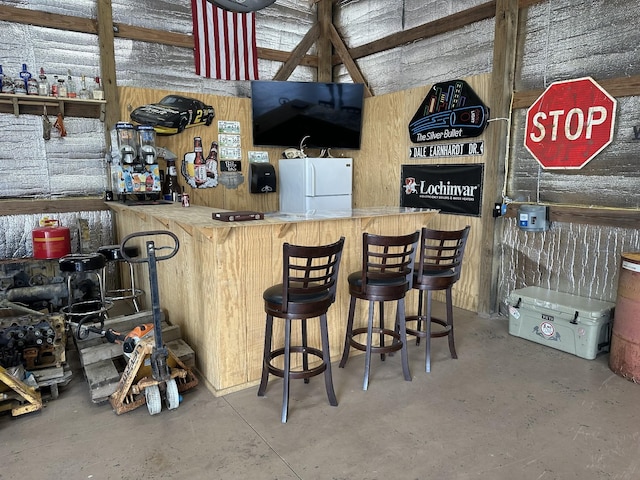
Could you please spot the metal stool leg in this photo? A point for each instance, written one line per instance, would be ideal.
(86, 310)
(134, 293)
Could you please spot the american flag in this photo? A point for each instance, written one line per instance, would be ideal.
(225, 42)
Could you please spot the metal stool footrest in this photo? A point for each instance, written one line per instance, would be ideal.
(123, 294)
(89, 307)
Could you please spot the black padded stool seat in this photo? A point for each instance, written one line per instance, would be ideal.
(298, 303)
(386, 275)
(307, 291)
(438, 268)
(76, 264)
(113, 253)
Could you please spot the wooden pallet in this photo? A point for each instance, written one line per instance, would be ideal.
(104, 362)
(50, 379)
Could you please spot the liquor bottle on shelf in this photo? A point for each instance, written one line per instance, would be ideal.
(199, 163)
(84, 91)
(20, 82)
(62, 88)
(170, 187)
(72, 91)
(54, 86)
(30, 83)
(43, 84)
(98, 92)
(7, 82)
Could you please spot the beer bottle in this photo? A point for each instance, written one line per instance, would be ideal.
(212, 161)
(199, 164)
(170, 186)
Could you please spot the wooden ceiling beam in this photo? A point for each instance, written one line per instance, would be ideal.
(280, 56)
(437, 27)
(301, 49)
(323, 45)
(108, 77)
(120, 30)
(349, 63)
(618, 87)
(49, 20)
(431, 29)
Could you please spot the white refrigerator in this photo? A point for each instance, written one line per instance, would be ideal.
(315, 185)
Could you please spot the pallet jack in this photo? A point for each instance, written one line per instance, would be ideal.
(128, 340)
(152, 371)
(17, 396)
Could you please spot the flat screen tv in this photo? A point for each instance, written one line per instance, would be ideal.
(329, 114)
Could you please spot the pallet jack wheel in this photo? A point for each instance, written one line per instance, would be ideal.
(152, 395)
(172, 394)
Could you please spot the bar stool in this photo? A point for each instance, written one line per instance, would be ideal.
(307, 291)
(438, 268)
(386, 275)
(74, 266)
(113, 255)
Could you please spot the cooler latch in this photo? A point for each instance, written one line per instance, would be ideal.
(575, 318)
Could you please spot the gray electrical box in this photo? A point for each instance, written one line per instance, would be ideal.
(533, 218)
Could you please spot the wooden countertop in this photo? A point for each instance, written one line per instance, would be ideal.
(201, 217)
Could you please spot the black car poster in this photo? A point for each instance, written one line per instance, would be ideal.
(455, 189)
(450, 111)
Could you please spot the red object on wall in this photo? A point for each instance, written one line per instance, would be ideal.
(570, 123)
(51, 241)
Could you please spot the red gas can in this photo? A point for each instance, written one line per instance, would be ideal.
(51, 240)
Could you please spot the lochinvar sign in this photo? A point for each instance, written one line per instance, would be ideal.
(455, 189)
(570, 123)
(450, 111)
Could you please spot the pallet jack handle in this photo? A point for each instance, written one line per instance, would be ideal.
(153, 233)
(159, 356)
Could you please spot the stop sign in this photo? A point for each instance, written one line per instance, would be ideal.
(570, 123)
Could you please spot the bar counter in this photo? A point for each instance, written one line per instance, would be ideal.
(213, 287)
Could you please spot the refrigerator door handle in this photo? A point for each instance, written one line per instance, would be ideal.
(311, 179)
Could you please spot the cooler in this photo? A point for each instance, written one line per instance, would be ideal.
(577, 325)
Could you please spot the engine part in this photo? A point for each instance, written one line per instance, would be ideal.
(35, 341)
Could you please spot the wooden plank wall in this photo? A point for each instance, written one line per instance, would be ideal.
(377, 166)
(377, 170)
(227, 108)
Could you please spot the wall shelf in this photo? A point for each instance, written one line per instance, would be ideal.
(34, 105)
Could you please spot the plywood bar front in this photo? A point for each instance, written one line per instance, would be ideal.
(213, 287)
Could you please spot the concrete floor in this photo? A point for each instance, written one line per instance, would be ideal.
(506, 409)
